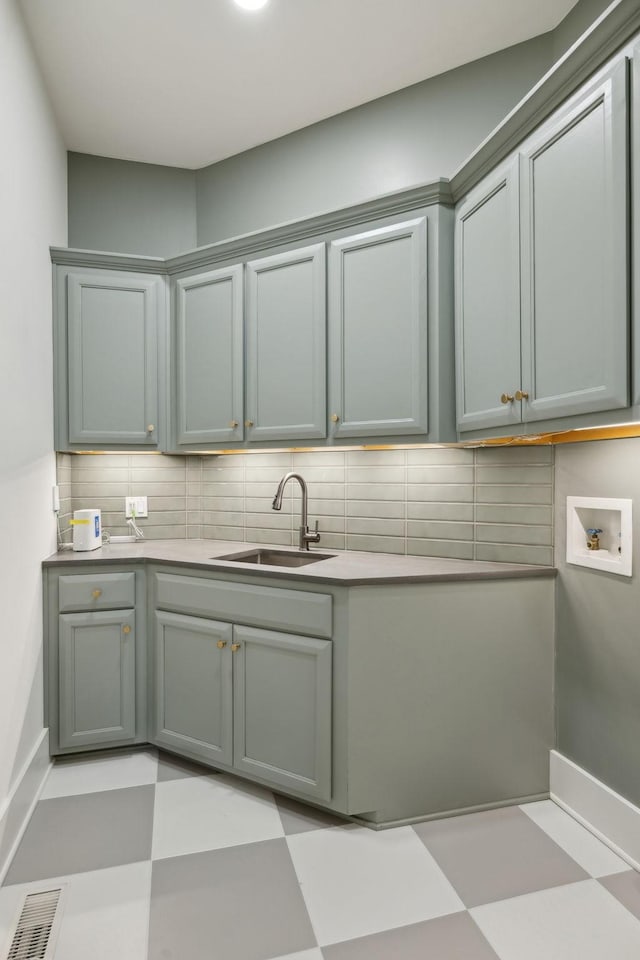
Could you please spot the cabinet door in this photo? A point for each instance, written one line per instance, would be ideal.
(286, 346)
(574, 257)
(378, 332)
(97, 678)
(282, 709)
(209, 357)
(193, 686)
(112, 343)
(487, 254)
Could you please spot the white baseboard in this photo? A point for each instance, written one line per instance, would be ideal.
(16, 810)
(596, 806)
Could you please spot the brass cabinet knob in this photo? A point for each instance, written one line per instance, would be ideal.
(506, 398)
(235, 646)
(233, 424)
(150, 428)
(521, 395)
(221, 644)
(248, 423)
(126, 628)
(334, 418)
(96, 593)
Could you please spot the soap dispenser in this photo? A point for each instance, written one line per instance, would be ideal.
(593, 543)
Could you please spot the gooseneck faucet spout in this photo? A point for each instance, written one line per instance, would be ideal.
(306, 537)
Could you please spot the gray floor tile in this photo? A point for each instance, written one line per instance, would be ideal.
(625, 887)
(171, 767)
(84, 832)
(497, 854)
(455, 937)
(238, 903)
(298, 817)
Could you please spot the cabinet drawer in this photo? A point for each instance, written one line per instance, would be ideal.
(295, 610)
(103, 591)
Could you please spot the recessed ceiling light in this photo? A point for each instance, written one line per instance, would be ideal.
(251, 4)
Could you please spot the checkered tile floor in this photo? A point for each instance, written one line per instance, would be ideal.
(163, 860)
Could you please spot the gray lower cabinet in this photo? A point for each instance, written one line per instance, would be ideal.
(109, 344)
(95, 657)
(378, 360)
(97, 664)
(542, 313)
(208, 339)
(193, 707)
(255, 700)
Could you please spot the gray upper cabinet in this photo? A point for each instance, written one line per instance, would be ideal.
(378, 332)
(209, 357)
(109, 342)
(561, 251)
(286, 346)
(488, 302)
(574, 257)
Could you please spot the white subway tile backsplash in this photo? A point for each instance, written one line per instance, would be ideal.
(421, 510)
(449, 549)
(445, 502)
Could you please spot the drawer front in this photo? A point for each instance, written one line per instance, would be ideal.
(103, 591)
(295, 610)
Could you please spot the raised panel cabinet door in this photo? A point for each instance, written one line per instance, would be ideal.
(286, 345)
(97, 663)
(378, 332)
(112, 357)
(209, 361)
(193, 686)
(574, 256)
(282, 709)
(487, 265)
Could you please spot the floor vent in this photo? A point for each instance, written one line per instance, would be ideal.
(34, 934)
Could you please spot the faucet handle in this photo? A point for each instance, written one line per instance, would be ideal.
(315, 536)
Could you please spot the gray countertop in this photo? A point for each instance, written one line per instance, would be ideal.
(343, 568)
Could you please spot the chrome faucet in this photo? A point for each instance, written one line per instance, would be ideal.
(305, 536)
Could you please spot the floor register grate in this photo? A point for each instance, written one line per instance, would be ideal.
(34, 935)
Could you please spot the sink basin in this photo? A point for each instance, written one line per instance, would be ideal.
(276, 558)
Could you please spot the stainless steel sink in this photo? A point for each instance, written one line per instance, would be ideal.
(276, 558)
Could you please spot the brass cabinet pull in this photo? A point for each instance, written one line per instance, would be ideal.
(506, 398)
(235, 646)
(233, 424)
(96, 593)
(150, 428)
(521, 395)
(221, 644)
(248, 423)
(334, 418)
(126, 628)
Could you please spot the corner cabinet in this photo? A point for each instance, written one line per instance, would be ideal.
(109, 352)
(541, 271)
(378, 323)
(95, 663)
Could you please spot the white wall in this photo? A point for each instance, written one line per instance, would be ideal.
(32, 216)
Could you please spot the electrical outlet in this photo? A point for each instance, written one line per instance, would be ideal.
(137, 504)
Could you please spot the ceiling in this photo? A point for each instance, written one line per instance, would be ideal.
(189, 82)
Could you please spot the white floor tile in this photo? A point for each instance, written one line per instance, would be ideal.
(592, 855)
(93, 774)
(207, 813)
(580, 921)
(356, 881)
(105, 913)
